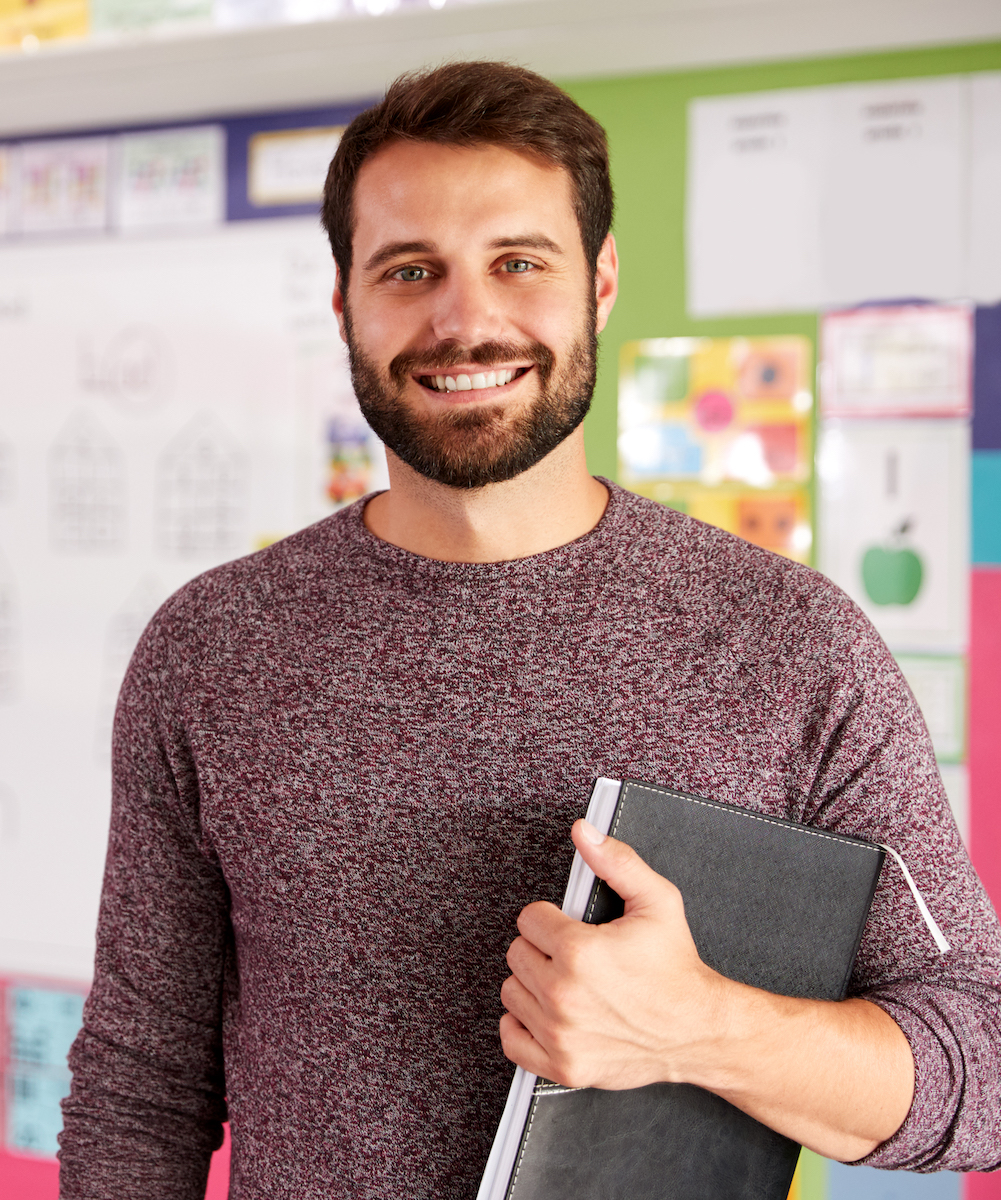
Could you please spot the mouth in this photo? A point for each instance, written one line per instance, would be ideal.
(478, 381)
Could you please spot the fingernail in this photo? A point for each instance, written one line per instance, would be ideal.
(590, 834)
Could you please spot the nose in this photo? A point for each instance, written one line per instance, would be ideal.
(467, 309)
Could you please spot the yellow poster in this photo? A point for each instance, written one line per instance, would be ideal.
(44, 20)
(722, 429)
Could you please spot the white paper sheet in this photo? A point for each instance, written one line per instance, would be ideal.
(166, 406)
(983, 266)
(894, 526)
(893, 190)
(816, 197)
(753, 216)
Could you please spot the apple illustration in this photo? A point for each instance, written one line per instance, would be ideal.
(893, 574)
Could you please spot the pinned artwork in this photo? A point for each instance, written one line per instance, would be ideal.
(8, 194)
(173, 177)
(41, 1025)
(894, 524)
(721, 428)
(897, 361)
(63, 185)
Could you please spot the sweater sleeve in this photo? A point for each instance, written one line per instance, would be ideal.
(147, 1102)
(878, 779)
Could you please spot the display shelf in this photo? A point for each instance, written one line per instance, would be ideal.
(180, 73)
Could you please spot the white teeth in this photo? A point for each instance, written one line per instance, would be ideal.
(467, 383)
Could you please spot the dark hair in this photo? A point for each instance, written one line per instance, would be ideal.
(470, 104)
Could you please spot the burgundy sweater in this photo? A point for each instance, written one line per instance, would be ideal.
(340, 771)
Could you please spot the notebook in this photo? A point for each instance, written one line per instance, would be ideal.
(771, 903)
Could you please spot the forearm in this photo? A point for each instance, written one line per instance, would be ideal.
(836, 1076)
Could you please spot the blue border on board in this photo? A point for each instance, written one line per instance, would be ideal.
(239, 131)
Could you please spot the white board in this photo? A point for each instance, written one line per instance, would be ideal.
(166, 406)
(894, 526)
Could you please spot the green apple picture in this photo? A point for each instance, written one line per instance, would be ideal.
(892, 574)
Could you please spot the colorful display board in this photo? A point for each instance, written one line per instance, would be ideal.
(722, 429)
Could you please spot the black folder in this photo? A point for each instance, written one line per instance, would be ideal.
(771, 903)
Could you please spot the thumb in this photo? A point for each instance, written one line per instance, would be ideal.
(621, 868)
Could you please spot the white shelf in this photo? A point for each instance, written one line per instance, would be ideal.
(163, 77)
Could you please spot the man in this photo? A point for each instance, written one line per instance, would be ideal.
(346, 766)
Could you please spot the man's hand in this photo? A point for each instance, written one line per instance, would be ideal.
(631, 1003)
(617, 1005)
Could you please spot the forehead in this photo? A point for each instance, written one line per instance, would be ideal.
(421, 191)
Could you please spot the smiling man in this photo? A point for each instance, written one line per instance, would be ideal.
(346, 767)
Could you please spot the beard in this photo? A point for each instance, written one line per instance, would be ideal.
(488, 444)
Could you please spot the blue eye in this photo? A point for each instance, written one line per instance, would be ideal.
(518, 266)
(411, 274)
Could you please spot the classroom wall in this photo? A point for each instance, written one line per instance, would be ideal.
(646, 120)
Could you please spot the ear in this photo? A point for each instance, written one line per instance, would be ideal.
(606, 281)
(337, 303)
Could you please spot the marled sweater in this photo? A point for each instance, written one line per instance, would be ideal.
(340, 771)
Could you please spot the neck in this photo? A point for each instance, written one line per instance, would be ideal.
(553, 503)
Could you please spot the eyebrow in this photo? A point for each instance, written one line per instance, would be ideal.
(531, 241)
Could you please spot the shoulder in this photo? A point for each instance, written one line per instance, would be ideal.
(759, 604)
(231, 601)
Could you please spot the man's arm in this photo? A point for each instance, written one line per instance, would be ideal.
(630, 1003)
(147, 1101)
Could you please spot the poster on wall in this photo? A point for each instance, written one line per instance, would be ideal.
(722, 429)
(169, 403)
(63, 185)
(894, 526)
(170, 178)
(897, 361)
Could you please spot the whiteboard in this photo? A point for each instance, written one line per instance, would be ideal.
(167, 405)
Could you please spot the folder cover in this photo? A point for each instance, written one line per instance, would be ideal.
(771, 903)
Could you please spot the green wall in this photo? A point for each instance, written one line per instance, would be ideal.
(645, 117)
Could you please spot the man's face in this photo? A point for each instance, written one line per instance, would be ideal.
(471, 312)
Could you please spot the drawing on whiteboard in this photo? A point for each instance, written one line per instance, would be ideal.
(123, 632)
(86, 488)
(10, 815)
(133, 369)
(201, 489)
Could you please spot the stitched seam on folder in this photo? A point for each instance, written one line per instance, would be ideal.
(524, 1147)
(742, 812)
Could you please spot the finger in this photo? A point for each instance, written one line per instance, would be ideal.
(528, 963)
(521, 1003)
(544, 925)
(521, 1048)
(622, 869)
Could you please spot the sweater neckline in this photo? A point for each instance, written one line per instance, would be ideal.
(560, 560)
